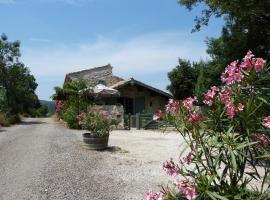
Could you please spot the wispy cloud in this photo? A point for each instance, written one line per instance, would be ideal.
(39, 40)
(150, 54)
(7, 2)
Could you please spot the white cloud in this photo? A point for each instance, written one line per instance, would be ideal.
(155, 53)
(142, 54)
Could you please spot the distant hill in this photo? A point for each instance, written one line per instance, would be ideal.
(50, 105)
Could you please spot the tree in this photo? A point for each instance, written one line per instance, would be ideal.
(20, 85)
(247, 27)
(183, 78)
(2, 99)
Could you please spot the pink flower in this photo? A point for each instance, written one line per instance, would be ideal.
(172, 106)
(182, 184)
(187, 159)
(262, 139)
(171, 168)
(210, 95)
(59, 106)
(194, 117)
(190, 193)
(80, 118)
(104, 113)
(266, 122)
(232, 74)
(225, 96)
(248, 62)
(154, 196)
(239, 107)
(188, 103)
(158, 115)
(187, 189)
(230, 111)
(259, 64)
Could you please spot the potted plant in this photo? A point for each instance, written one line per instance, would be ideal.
(99, 126)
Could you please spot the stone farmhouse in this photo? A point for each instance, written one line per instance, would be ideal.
(135, 96)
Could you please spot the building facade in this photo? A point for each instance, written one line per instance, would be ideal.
(135, 96)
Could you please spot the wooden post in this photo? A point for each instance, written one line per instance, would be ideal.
(138, 125)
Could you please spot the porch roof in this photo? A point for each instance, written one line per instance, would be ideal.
(132, 81)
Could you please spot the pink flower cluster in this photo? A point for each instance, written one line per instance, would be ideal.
(171, 168)
(188, 103)
(210, 96)
(172, 106)
(59, 106)
(104, 113)
(233, 72)
(225, 96)
(249, 61)
(194, 117)
(262, 139)
(266, 122)
(158, 115)
(187, 189)
(80, 118)
(154, 196)
(188, 159)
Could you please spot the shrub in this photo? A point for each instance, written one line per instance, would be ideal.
(4, 121)
(97, 122)
(70, 116)
(228, 140)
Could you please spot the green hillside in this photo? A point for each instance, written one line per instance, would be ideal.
(50, 104)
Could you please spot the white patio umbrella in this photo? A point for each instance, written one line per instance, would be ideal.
(101, 90)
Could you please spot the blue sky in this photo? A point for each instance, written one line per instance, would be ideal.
(139, 38)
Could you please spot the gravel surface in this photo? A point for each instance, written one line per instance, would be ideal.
(41, 159)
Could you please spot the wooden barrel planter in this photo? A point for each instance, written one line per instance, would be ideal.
(95, 143)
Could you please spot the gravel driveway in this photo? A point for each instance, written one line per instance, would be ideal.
(41, 159)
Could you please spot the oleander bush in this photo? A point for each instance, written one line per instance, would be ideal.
(227, 152)
(69, 102)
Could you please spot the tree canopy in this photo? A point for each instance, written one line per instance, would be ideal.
(247, 27)
(16, 79)
(183, 79)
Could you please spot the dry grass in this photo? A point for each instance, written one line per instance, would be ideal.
(4, 121)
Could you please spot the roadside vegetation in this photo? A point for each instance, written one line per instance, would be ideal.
(247, 27)
(227, 141)
(17, 86)
(69, 102)
(221, 109)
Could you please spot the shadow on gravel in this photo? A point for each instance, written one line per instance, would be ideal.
(114, 149)
(31, 123)
(2, 130)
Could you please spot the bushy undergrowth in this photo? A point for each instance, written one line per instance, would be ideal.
(7, 120)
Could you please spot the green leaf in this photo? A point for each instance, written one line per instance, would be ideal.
(216, 196)
(246, 145)
(263, 100)
(264, 156)
(233, 160)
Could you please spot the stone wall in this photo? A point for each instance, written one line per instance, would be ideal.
(115, 112)
(95, 76)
